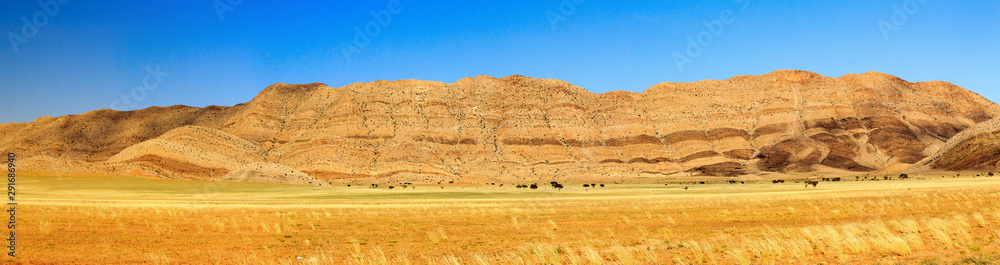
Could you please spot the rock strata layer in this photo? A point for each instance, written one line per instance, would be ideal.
(977, 148)
(519, 128)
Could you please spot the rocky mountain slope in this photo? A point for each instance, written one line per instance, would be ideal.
(519, 128)
(977, 148)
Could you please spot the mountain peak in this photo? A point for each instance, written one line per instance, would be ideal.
(286, 89)
(797, 76)
(873, 76)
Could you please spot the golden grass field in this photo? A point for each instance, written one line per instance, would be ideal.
(100, 219)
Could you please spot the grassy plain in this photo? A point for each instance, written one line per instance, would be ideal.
(98, 219)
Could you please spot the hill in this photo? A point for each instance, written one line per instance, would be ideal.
(485, 129)
(977, 148)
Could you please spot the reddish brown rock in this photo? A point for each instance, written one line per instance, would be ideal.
(977, 148)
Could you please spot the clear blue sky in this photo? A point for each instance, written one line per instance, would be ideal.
(86, 54)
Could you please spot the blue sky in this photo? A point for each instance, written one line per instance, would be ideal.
(87, 54)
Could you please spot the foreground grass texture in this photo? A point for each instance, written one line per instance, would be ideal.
(99, 219)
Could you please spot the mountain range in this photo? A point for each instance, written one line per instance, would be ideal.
(516, 128)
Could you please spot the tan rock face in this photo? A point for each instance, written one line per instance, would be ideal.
(519, 128)
(190, 152)
(270, 173)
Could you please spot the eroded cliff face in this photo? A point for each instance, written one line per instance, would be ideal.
(518, 128)
(977, 148)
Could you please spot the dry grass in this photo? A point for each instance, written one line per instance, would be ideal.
(855, 223)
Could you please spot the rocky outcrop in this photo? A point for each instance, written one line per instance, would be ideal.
(270, 173)
(977, 148)
(519, 128)
(97, 135)
(189, 152)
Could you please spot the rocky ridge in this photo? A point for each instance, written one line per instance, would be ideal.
(518, 128)
(977, 148)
